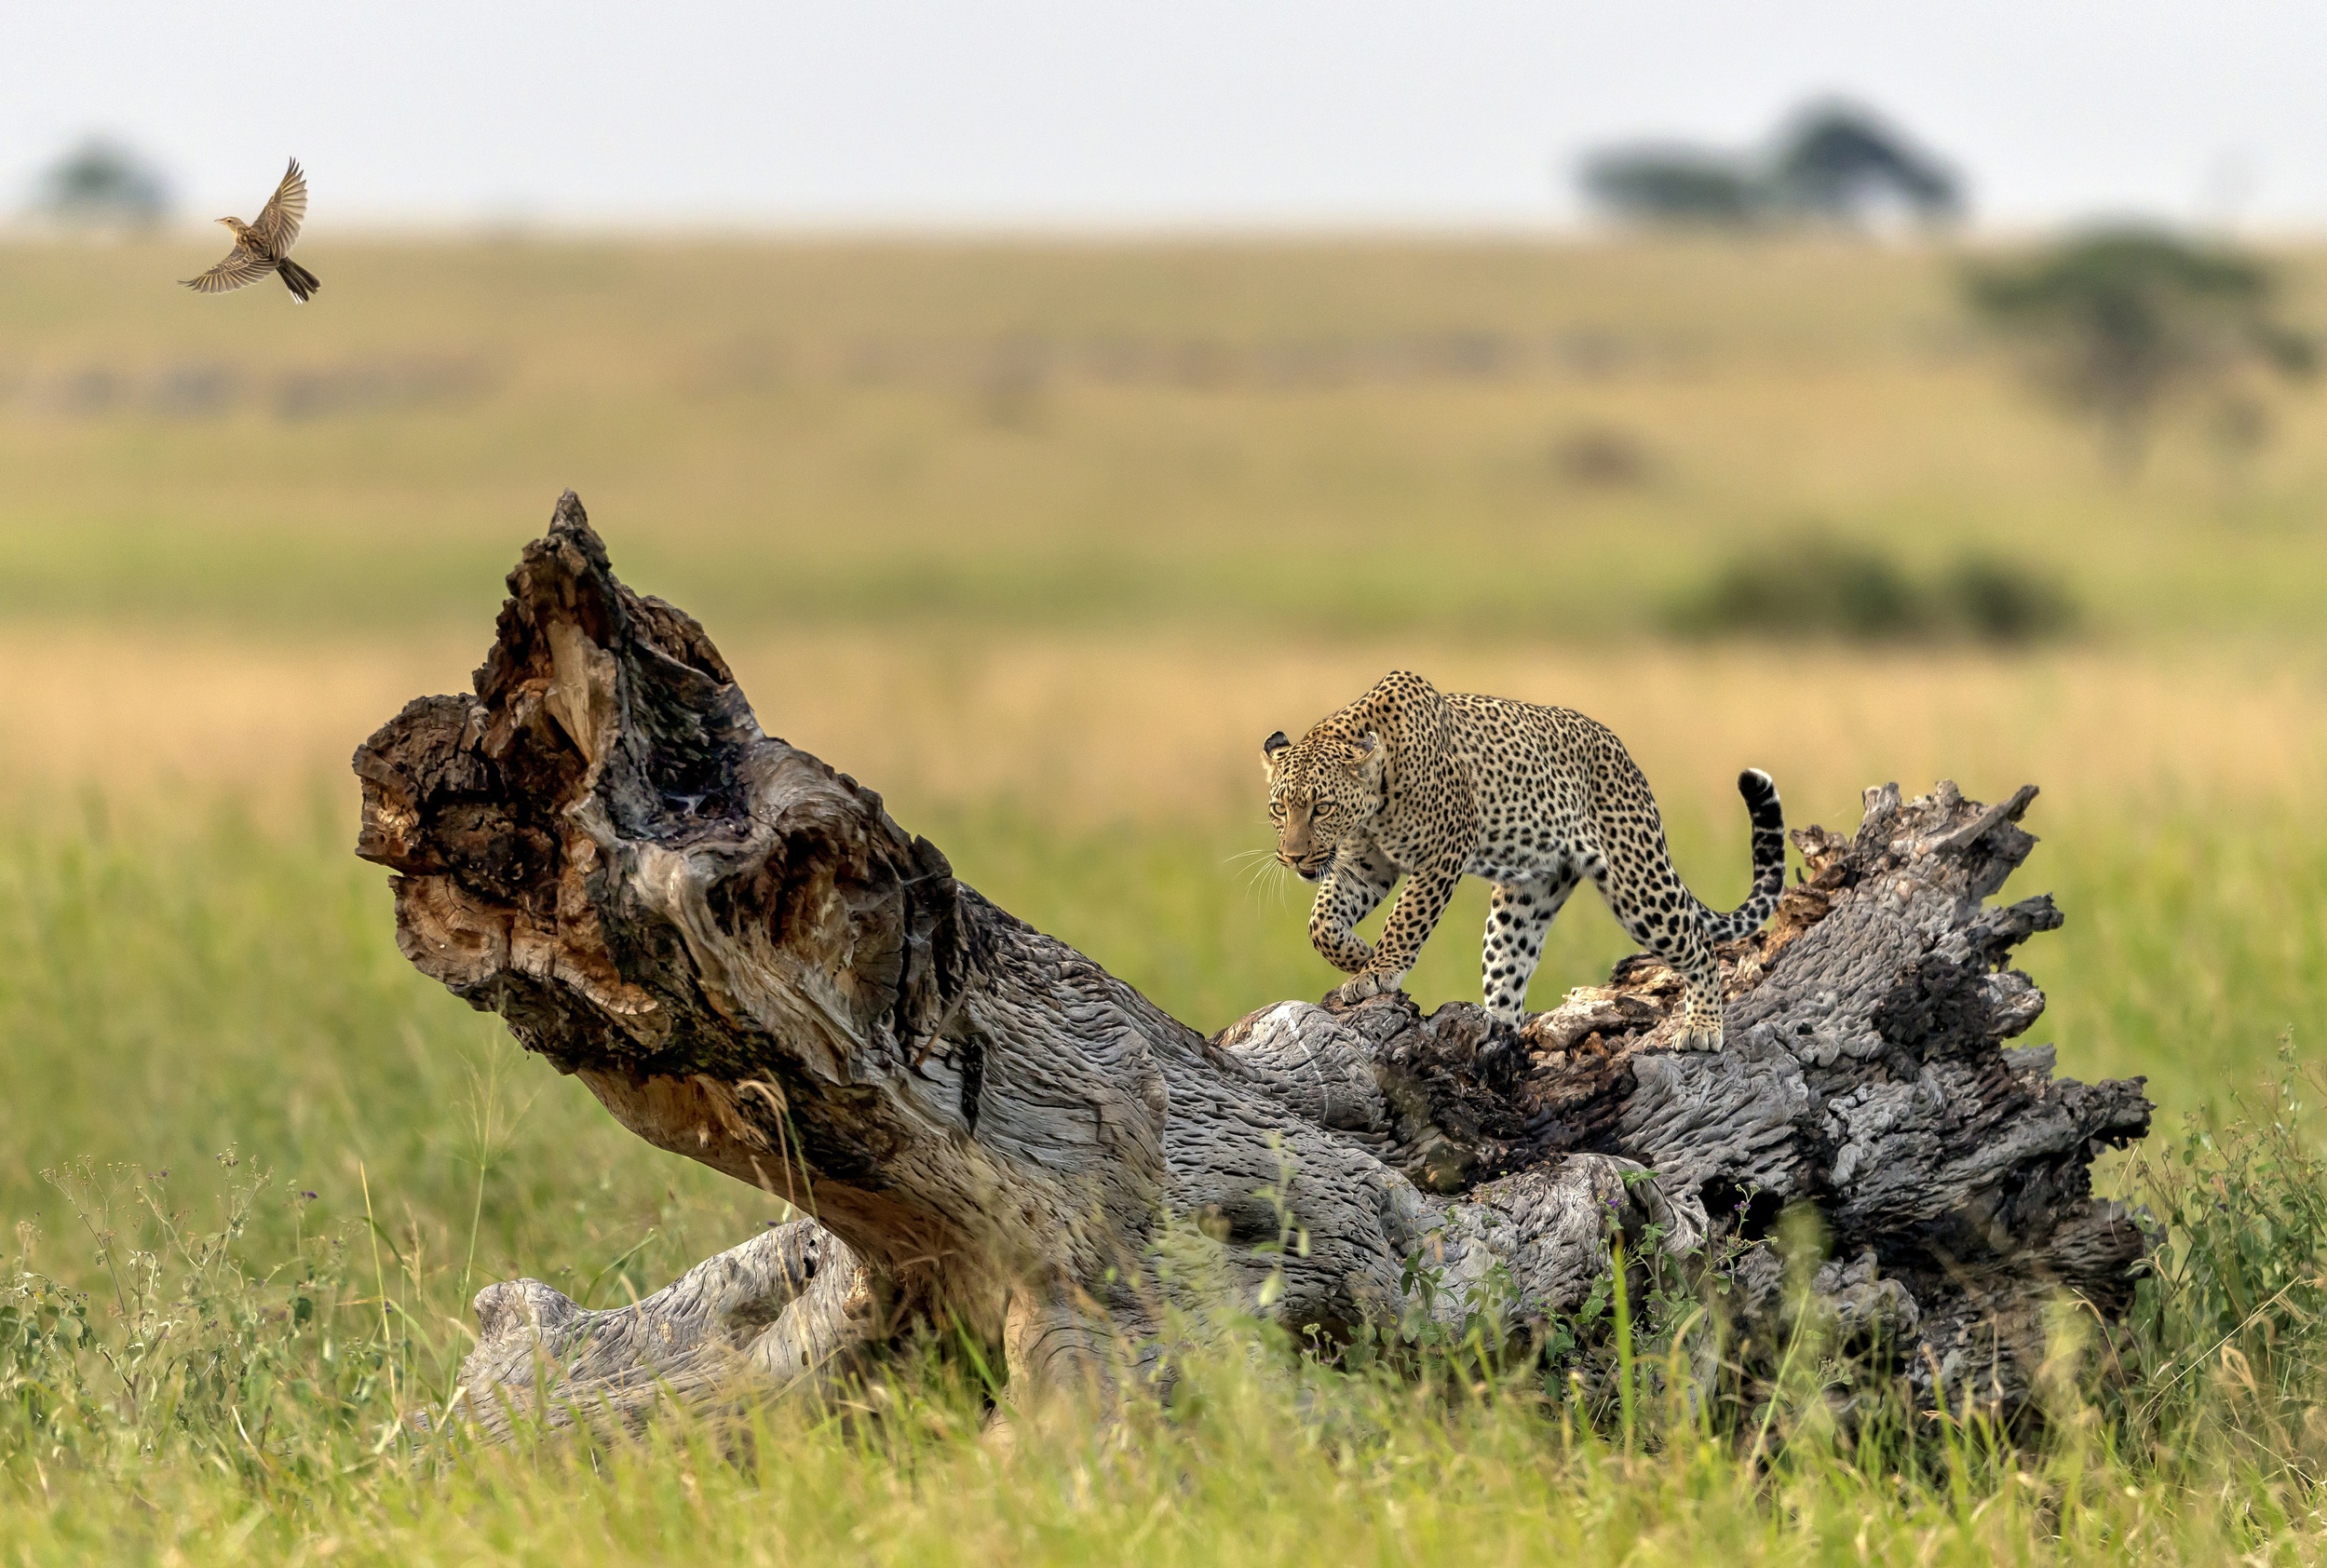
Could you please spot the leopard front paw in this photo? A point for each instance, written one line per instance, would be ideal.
(1698, 1038)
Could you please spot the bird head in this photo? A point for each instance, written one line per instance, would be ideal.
(236, 224)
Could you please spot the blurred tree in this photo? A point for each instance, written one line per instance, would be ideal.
(1839, 163)
(2123, 324)
(1833, 163)
(102, 182)
(1662, 184)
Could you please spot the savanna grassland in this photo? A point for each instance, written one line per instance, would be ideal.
(1040, 539)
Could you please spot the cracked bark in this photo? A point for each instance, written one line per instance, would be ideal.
(751, 963)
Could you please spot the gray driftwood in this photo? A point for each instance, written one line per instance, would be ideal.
(749, 964)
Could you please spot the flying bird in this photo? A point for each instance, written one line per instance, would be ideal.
(265, 246)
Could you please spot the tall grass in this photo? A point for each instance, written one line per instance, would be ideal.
(172, 986)
(194, 991)
(174, 989)
(210, 1403)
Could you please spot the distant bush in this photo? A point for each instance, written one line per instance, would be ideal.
(1811, 585)
(1601, 457)
(2000, 602)
(103, 184)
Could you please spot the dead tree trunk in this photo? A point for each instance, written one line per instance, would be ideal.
(749, 964)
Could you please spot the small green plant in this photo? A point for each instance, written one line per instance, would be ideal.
(2230, 1328)
(44, 1331)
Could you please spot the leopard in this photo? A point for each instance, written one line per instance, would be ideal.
(1428, 786)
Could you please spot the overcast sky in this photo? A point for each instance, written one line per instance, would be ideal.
(1069, 113)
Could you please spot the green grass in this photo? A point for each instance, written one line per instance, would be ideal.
(219, 1376)
(174, 990)
(1247, 1468)
(170, 988)
(1074, 514)
(195, 1408)
(174, 987)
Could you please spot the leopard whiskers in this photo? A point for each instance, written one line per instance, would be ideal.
(1278, 880)
(1255, 861)
(1258, 865)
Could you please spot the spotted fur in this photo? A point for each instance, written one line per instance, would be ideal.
(1409, 781)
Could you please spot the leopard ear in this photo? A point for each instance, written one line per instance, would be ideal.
(1271, 749)
(1362, 748)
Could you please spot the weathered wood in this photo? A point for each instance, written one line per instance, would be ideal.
(789, 1308)
(749, 963)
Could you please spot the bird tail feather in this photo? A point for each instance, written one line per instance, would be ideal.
(300, 282)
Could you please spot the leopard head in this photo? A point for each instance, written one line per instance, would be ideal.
(1323, 790)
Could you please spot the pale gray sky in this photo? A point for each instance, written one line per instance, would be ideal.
(1197, 112)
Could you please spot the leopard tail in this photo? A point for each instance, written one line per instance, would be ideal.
(1769, 861)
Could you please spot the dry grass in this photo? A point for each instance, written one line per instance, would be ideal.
(1148, 729)
(144, 714)
(1161, 727)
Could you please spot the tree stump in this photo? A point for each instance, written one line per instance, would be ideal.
(749, 964)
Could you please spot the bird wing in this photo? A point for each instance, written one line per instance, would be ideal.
(276, 227)
(239, 270)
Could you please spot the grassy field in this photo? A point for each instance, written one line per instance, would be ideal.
(1040, 540)
(1329, 437)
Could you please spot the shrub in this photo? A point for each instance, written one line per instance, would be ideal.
(1999, 603)
(1599, 456)
(1811, 585)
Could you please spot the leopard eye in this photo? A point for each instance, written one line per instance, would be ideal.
(1326, 808)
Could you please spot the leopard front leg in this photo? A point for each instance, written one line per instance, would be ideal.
(1518, 915)
(1358, 881)
(1410, 921)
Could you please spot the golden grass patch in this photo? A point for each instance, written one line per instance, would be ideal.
(1146, 726)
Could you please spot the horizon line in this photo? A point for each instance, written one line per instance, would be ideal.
(1554, 231)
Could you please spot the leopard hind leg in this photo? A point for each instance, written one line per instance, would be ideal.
(1643, 892)
(1518, 916)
